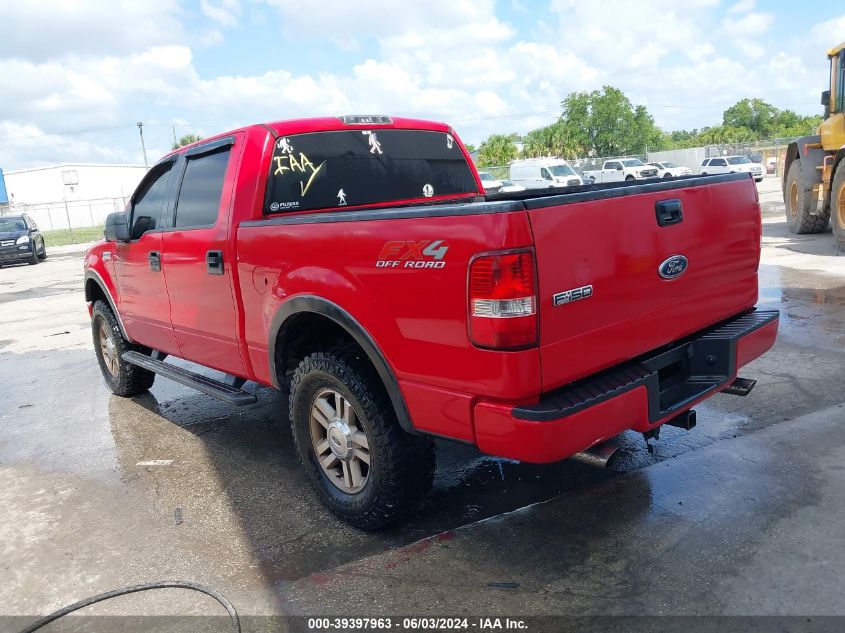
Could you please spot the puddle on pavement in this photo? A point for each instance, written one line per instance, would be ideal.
(235, 477)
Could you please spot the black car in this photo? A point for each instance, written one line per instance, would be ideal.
(20, 240)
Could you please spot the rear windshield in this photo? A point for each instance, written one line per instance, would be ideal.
(12, 224)
(738, 160)
(362, 167)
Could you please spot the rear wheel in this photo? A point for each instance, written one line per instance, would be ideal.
(801, 214)
(667, 175)
(364, 467)
(837, 204)
(124, 379)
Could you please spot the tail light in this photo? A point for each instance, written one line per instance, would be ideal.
(503, 300)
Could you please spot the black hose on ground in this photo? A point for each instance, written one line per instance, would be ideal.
(164, 584)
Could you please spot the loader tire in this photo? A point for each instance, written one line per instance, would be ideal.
(837, 205)
(800, 203)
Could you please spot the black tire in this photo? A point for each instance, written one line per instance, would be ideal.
(126, 380)
(799, 202)
(667, 175)
(33, 259)
(401, 465)
(43, 254)
(837, 204)
(629, 178)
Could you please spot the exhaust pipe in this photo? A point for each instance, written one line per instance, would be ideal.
(598, 455)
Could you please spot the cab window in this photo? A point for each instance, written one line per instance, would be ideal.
(148, 201)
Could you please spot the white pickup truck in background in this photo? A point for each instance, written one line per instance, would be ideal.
(620, 169)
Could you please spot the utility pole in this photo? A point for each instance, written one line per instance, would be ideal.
(175, 141)
(143, 147)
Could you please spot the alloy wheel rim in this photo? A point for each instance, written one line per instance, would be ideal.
(108, 350)
(339, 441)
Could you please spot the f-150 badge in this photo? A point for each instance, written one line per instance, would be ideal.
(568, 296)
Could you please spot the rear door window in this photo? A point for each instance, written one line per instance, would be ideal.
(202, 187)
(364, 167)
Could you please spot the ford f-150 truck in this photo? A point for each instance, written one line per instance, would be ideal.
(622, 169)
(356, 264)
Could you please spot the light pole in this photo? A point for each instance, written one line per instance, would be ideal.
(143, 147)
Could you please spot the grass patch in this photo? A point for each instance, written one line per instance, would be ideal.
(63, 237)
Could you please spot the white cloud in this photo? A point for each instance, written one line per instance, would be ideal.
(50, 29)
(743, 6)
(751, 25)
(452, 60)
(223, 12)
(829, 33)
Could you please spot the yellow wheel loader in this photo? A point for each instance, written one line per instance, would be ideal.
(814, 170)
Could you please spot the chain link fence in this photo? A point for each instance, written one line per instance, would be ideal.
(67, 214)
(69, 221)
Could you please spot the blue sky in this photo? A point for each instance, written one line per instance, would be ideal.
(72, 69)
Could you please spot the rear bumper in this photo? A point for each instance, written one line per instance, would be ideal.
(638, 395)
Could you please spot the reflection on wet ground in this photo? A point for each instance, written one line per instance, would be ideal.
(223, 486)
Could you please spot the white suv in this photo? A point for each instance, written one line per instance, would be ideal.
(730, 165)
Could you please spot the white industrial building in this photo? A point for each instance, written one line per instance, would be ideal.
(71, 194)
(72, 181)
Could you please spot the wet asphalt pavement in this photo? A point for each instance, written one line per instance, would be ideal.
(99, 492)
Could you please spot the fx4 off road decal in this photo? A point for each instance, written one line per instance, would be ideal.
(421, 254)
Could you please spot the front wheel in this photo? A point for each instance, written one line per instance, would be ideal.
(837, 204)
(364, 467)
(629, 178)
(799, 202)
(124, 379)
(33, 258)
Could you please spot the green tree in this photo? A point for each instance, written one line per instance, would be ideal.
(753, 114)
(498, 149)
(605, 123)
(550, 140)
(186, 140)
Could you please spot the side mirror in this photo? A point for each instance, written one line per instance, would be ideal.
(117, 227)
(826, 98)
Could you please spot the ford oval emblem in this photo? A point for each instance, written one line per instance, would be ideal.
(673, 267)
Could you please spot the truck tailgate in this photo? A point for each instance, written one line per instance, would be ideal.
(612, 240)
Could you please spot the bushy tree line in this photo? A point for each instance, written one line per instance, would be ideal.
(605, 123)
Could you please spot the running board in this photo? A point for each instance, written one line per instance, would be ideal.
(208, 386)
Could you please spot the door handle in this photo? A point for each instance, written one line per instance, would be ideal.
(668, 212)
(155, 261)
(214, 262)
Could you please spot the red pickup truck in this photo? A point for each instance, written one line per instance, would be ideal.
(356, 264)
